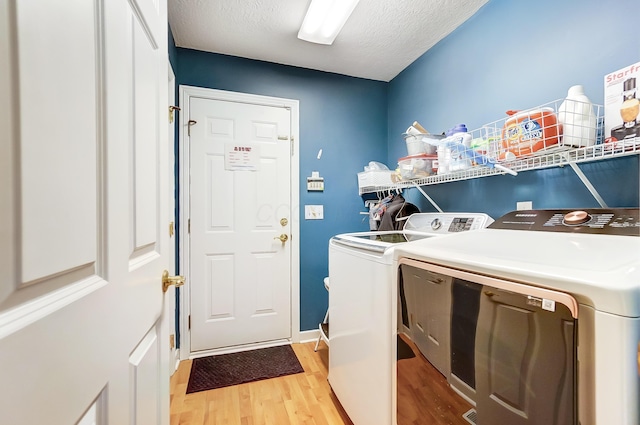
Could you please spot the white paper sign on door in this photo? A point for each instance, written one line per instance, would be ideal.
(241, 157)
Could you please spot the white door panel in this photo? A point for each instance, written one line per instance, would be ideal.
(145, 148)
(83, 202)
(145, 379)
(61, 202)
(241, 274)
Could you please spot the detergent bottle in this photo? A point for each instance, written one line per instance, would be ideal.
(451, 150)
(577, 118)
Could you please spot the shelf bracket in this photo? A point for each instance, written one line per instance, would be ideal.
(428, 197)
(585, 181)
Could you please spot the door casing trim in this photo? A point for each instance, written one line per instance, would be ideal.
(185, 94)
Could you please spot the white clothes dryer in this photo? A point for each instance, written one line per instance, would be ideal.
(552, 313)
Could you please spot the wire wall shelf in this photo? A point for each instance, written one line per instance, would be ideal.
(557, 158)
(504, 142)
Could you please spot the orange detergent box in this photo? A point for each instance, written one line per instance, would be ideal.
(528, 132)
(622, 104)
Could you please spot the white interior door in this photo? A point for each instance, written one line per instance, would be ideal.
(240, 205)
(83, 202)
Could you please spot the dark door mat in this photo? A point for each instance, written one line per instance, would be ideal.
(404, 351)
(223, 370)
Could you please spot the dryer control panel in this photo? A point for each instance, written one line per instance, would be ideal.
(605, 221)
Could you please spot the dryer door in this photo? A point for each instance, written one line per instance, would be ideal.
(525, 360)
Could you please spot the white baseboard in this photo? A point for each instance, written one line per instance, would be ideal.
(239, 348)
(309, 336)
(305, 337)
(176, 360)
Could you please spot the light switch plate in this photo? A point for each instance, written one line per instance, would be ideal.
(524, 205)
(313, 212)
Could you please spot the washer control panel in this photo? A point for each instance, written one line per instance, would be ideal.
(606, 221)
(445, 223)
(462, 224)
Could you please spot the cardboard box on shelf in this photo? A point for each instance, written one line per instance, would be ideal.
(622, 104)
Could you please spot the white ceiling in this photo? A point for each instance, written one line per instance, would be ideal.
(380, 39)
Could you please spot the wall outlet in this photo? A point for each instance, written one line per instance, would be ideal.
(524, 205)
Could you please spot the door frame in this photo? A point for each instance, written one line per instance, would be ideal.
(170, 295)
(186, 93)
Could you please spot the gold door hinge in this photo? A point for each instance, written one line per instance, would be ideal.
(171, 109)
(189, 226)
(172, 341)
(189, 322)
(171, 229)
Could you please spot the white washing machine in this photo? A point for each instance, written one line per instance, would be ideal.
(362, 309)
(552, 315)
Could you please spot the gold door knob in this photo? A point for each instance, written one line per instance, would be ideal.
(171, 280)
(283, 238)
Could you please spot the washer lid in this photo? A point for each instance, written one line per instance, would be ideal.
(377, 241)
(599, 270)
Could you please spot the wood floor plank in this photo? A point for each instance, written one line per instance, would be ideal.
(307, 399)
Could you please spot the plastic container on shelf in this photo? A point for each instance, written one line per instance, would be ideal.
(430, 141)
(376, 178)
(376, 174)
(419, 140)
(415, 145)
(578, 120)
(416, 166)
(413, 139)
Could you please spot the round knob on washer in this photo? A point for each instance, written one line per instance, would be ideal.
(575, 218)
(436, 224)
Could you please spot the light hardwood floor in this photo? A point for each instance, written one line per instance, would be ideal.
(304, 398)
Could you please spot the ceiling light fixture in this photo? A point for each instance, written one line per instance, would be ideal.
(325, 19)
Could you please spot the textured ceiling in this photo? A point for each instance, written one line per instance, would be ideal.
(380, 39)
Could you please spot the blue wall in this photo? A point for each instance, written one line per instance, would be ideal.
(345, 117)
(510, 55)
(173, 51)
(517, 55)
